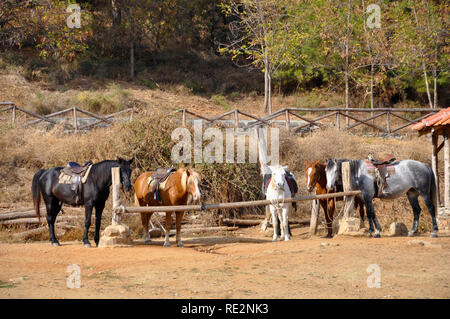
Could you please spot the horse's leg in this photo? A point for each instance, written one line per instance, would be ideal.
(361, 207)
(329, 213)
(274, 222)
(413, 200)
(285, 221)
(432, 210)
(87, 223)
(145, 219)
(53, 207)
(168, 225)
(178, 219)
(370, 213)
(266, 220)
(98, 220)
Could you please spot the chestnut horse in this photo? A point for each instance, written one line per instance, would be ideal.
(176, 192)
(316, 176)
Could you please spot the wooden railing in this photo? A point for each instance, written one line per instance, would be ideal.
(74, 123)
(335, 113)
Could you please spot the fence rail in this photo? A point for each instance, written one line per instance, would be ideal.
(76, 122)
(336, 113)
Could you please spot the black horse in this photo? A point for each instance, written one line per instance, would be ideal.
(95, 192)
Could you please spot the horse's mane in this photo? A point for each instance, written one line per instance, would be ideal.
(194, 175)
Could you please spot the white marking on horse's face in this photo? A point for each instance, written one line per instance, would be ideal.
(197, 195)
(278, 178)
(308, 173)
(331, 172)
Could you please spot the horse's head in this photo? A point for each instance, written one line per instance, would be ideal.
(312, 174)
(193, 181)
(278, 176)
(331, 171)
(125, 173)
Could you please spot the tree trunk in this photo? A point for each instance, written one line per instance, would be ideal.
(132, 58)
(424, 69)
(347, 44)
(266, 82)
(426, 83)
(435, 93)
(117, 13)
(131, 44)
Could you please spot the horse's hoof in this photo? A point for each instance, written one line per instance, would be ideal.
(166, 244)
(411, 233)
(56, 244)
(180, 244)
(147, 242)
(377, 235)
(87, 245)
(434, 235)
(274, 240)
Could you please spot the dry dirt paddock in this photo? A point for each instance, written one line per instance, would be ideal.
(241, 264)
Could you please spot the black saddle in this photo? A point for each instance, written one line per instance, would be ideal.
(389, 159)
(73, 168)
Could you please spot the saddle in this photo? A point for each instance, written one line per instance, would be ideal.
(73, 168)
(382, 169)
(76, 175)
(156, 182)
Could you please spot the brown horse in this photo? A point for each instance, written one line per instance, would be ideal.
(176, 192)
(316, 176)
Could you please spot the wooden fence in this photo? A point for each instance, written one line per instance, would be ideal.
(335, 114)
(75, 122)
(119, 209)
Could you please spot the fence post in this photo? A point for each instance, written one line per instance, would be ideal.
(288, 121)
(338, 120)
(348, 224)
(236, 118)
(14, 113)
(75, 119)
(115, 171)
(388, 122)
(116, 234)
(347, 184)
(184, 117)
(314, 217)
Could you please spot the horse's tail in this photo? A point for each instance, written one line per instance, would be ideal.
(136, 201)
(36, 192)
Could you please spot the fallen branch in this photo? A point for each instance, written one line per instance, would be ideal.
(240, 222)
(22, 214)
(41, 230)
(205, 229)
(33, 221)
(251, 222)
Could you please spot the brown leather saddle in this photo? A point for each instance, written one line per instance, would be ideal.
(383, 168)
(76, 175)
(158, 178)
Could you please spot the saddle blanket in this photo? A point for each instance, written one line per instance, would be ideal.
(65, 178)
(372, 169)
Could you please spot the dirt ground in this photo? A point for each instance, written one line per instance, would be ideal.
(240, 264)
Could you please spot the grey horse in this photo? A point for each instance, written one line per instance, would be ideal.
(411, 177)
